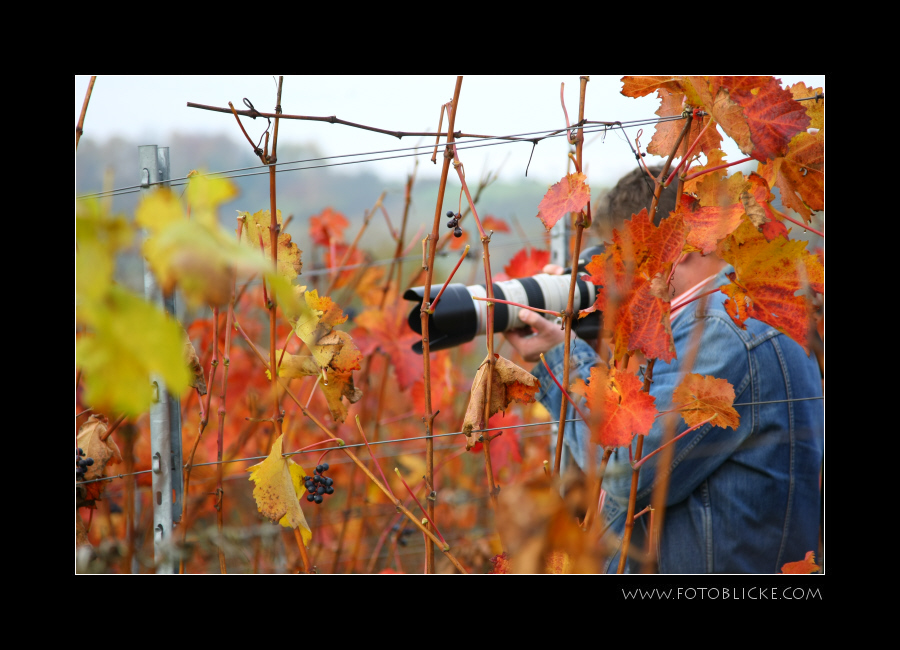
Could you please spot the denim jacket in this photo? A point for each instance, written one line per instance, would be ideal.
(739, 501)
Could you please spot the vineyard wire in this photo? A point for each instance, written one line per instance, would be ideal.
(602, 127)
(399, 440)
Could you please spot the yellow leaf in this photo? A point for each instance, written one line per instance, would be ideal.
(256, 231)
(97, 238)
(205, 194)
(159, 210)
(129, 340)
(278, 486)
(314, 321)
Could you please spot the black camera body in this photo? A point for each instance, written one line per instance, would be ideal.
(459, 318)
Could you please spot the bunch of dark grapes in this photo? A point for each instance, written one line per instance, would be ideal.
(319, 485)
(81, 465)
(454, 223)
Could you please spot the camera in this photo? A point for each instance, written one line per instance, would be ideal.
(459, 318)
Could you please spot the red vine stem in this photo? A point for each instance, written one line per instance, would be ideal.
(686, 156)
(304, 556)
(79, 128)
(220, 492)
(419, 503)
(449, 277)
(353, 457)
(570, 304)
(426, 345)
(697, 297)
(632, 495)
(564, 391)
(803, 225)
(637, 464)
(716, 168)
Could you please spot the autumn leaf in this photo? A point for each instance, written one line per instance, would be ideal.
(256, 234)
(800, 174)
(802, 567)
(317, 317)
(708, 225)
(509, 383)
(278, 489)
(339, 376)
(639, 86)
(815, 109)
(527, 262)
(699, 398)
(639, 254)
(457, 243)
(379, 329)
(205, 194)
(104, 452)
(504, 448)
(327, 226)
(667, 132)
(491, 222)
(570, 194)
(767, 277)
(617, 404)
(761, 118)
(714, 158)
(129, 339)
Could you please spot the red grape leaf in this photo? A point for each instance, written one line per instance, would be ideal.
(639, 86)
(804, 566)
(570, 194)
(379, 329)
(761, 118)
(504, 449)
(667, 132)
(618, 405)
(699, 398)
(625, 271)
(509, 383)
(800, 174)
(708, 225)
(773, 229)
(714, 158)
(527, 262)
(491, 222)
(327, 226)
(767, 277)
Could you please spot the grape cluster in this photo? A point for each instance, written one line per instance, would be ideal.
(81, 465)
(319, 485)
(454, 223)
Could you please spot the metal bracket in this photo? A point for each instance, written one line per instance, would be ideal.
(145, 178)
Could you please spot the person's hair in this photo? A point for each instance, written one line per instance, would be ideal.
(633, 193)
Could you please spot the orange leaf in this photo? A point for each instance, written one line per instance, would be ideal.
(491, 222)
(527, 262)
(509, 383)
(626, 272)
(639, 86)
(767, 277)
(804, 566)
(667, 132)
(327, 226)
(800, 174)
(699, 398)
(708, 225)
(570, 194)
(814, 108)
(617, 402)
(769, 115)
(257, 226)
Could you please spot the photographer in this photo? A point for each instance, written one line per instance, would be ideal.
(739, 501)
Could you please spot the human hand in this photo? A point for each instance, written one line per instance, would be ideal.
(543, 336)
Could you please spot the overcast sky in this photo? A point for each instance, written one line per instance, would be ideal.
(148, 109)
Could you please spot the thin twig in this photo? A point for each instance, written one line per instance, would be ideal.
(79, 128)
(426, 345)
